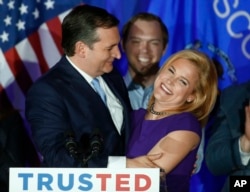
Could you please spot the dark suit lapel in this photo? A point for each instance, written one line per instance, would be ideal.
(79, 85)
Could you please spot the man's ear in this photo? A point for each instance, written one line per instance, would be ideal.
(80, 48)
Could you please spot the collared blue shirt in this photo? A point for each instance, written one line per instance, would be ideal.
(138, 95)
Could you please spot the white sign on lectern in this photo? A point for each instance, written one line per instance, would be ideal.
(83, 179)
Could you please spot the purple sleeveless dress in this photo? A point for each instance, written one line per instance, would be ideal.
(146, 133)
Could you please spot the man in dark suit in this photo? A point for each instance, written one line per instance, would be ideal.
(228, 150)
(71, 124)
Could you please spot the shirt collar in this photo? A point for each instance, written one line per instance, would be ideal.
(83, 74)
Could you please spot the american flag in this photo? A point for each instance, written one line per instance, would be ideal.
(30, 39)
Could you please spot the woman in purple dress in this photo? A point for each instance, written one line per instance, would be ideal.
(184, 93)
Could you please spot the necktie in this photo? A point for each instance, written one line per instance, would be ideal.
(98, 89)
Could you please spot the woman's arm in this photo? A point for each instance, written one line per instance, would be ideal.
(174, 148)
(145, 161)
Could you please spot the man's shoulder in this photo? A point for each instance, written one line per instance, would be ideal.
(237, 89)
(62, 70)
(235, 95)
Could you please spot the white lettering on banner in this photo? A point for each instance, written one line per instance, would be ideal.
(80, 179)
(244, 45)
(220, 13)
(232, 17)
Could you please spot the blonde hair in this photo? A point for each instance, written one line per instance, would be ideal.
(206, 89)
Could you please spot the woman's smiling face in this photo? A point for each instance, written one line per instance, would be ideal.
(176, 83)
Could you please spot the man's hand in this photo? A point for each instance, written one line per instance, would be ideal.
(143, 161)
(245, 139)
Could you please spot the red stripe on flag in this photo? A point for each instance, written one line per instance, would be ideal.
(36, 45)
(54, 26)
(18, 70)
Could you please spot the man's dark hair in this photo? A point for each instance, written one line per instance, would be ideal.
(145, 17)
(81, 25)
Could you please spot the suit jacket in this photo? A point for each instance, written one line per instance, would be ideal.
(62, 102)
(222, 154)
